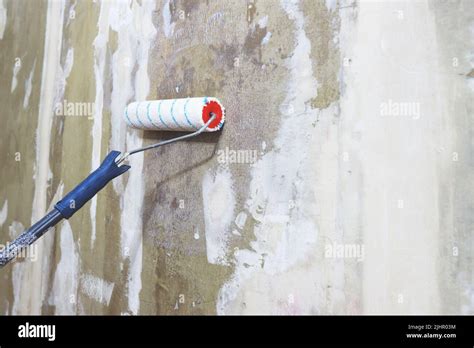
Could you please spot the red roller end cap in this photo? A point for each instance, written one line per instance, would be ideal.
(215, 108)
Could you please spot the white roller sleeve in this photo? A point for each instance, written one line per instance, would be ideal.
(188, 114)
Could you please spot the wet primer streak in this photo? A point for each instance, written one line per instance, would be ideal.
(63, 73)
(17, 281)
(65, 284)
(28, 86)
(53, 86)
(28, 300)
(331, 5)
(168, 25)
(48, 241)
(3, 18)
(16, 70)
(4, 213)
(100, 51)
(135, 32)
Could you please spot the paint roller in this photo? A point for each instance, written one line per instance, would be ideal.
(194, 115)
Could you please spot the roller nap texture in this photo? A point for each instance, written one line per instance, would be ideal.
(187, 114)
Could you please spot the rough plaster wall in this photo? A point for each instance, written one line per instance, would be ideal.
(306, 85)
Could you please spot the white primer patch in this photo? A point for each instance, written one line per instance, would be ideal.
(236, 233)
(241, 219)
(28, 86)
(331, 4)
(48, 241)
(62, 76)
(100, 51)
(29, 299)
(168, 25)
(284, 233)
(17, 281)
(262, 23)
(4, 213)
(470, 83)
(266, 38)
(96, 288)
(65, 283)
(136, 33)
(3, 18)
(18, 270)
(219, 205)
(16, 70)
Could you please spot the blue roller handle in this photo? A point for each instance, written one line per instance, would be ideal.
(67, 206)
(87, 189)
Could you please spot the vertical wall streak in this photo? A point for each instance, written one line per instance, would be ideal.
(29, 299)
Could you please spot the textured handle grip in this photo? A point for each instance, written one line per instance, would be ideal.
(11, 250)
(66, 207)
(87, 189)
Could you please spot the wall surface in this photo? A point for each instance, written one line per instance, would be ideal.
(342, 182)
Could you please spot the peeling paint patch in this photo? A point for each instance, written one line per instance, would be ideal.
(96, 288)
(219, 205)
